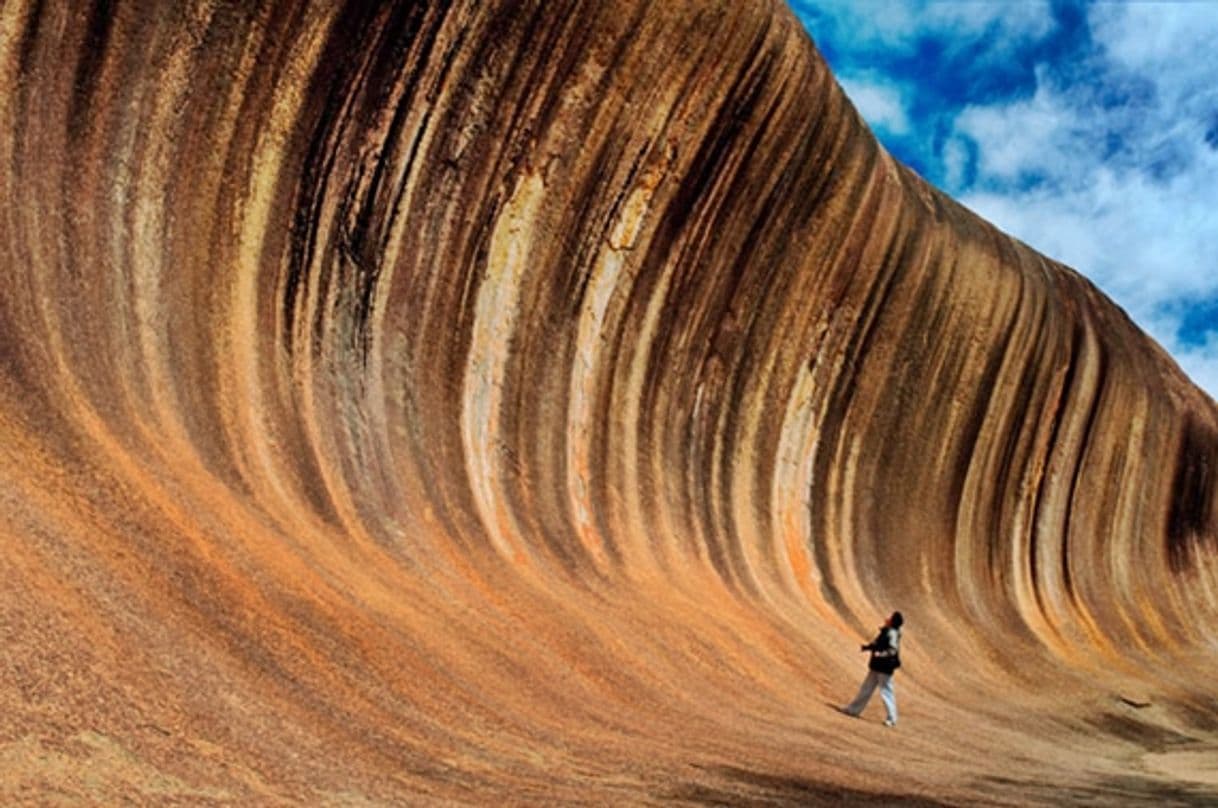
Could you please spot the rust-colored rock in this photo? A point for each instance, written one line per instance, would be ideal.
(538, 402)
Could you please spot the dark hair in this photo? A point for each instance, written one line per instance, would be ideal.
(896, 620)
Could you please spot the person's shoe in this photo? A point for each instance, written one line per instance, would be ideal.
(844, 711)
(888, 722)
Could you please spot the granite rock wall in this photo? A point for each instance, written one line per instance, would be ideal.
(540, 401)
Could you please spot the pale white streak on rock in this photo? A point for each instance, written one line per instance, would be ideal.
(791, 492)
(497, 308)
(588, 367)
(146, 261)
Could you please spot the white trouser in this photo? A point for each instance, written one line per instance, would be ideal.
(884, 680)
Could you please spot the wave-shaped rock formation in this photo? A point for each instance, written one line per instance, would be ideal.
(538, 402)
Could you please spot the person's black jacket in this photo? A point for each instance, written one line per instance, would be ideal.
(885, 650)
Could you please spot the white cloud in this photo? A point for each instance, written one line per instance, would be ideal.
(1199, 362)
(1015, 20)
(869, 24)
(1146, 36)
(955, 161)
(1145, 243)
(1148, 254)
(1025, 137)
(1113, 175)
(880, 104)
(893, 25)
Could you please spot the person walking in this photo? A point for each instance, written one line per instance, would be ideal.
(885, 659)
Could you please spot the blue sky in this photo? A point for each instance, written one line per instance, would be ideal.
(1087, 130)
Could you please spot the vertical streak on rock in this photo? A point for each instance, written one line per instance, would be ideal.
(609, 277)
(258, 439)
(1191, 524)
(845, 496)
(1052, 562)
(977, 570)
(482, 399)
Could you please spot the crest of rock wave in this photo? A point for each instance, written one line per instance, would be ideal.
(539, 402)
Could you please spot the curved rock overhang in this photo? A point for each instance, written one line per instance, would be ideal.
(539, 401)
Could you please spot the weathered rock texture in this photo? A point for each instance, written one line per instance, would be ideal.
(539, 401)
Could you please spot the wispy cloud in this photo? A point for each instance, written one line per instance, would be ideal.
(1088, 131)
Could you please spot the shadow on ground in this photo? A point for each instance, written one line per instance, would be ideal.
(740, 787)
(1124, 791)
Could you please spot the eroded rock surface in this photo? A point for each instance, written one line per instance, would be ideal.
(539, 402)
